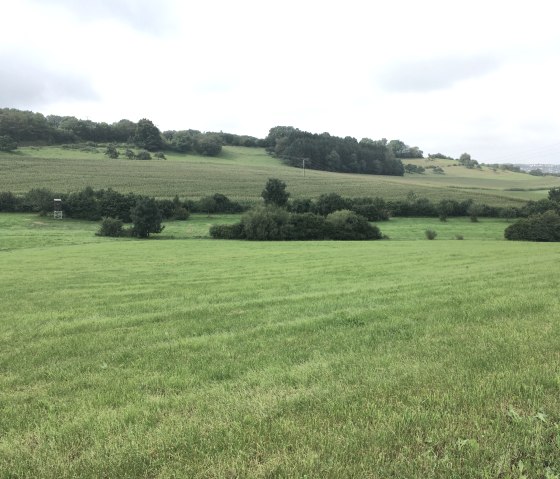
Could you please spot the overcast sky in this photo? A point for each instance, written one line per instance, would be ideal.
(480, 77)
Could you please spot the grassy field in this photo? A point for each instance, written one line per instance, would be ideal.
(188, 357)
(241, 173)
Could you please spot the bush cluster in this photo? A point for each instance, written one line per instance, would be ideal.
(89, 204)
(271, 223)
(539, 227)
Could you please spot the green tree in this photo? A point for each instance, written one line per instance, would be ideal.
(208, 144)
(275, 193)
(554, 194)
(146, 218)
(7, 143)
(147, 136)
(111, 151)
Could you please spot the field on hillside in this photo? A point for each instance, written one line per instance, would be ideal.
(241, 173)
(191, 357)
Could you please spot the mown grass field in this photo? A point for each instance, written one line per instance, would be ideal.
(241, 173)
(190, 357)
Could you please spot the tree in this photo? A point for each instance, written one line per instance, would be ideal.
(146, 218)
(111, 151)
(208, 144)
(275, 193)
(147, 136)
(445, 208)
(330, 202)
(7, 143)
(474, 211)
(554, 194)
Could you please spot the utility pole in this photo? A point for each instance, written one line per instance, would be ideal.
(303, 166)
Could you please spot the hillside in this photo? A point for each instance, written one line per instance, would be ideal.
(241, 172)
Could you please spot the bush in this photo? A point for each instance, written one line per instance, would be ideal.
(265, 223)
(234, 231)
(113, 204)
(539, 227)
(8, 201)
(217, 203)
(39, 200)
(82, 205)
(129, 154)
(110, 227)
(307, 226)
(143, 155)
(430, 234)
(347, 225)
(111, 152)
(160, 156)
(329, 203)
(181, 213)
(301, 205)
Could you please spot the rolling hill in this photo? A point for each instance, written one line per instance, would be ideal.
(241, 173)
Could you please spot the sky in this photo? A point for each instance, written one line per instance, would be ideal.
(480, 76)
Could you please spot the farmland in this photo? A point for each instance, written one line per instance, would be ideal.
(240, 173)
(188, 357)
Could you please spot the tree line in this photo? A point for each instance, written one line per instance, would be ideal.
(331, 153)
(18, 127)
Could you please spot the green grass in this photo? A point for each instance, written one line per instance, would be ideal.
(212, 359)
(241, 174)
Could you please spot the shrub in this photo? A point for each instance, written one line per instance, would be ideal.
(39, 200)
(234, 231)
(166, 207)
(82, 205)
(301, 205)
(116, 205)
(307, 226)
(329, 203)
(143, 155)
(347, 225)
(160, 156)
(129, 154)
(265, 223)
(111, 152)
(430, 234)
(374, 209)
(539, 227)
(8, 201)
(459, 237)
(110, 227)
(181, 213)
(217, 203)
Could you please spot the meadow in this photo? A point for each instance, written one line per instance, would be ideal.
(240, 173)
(189, 357)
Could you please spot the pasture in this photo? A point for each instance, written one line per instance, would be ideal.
(240, 173)
(189, 357)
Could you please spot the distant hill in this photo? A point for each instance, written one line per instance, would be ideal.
(241, 173)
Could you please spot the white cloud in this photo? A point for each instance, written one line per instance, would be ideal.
(478, 77)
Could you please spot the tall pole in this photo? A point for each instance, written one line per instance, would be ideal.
(303, 165)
